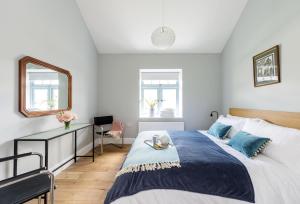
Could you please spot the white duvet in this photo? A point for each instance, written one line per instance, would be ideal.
(273, 184)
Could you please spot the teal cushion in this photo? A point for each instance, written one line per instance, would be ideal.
(248, 144)
(219, 130)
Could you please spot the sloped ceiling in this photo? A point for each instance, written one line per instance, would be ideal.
(125, 26)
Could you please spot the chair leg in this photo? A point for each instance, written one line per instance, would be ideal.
(122, 141)
(52, 187)
(40, 200)
(102, 143)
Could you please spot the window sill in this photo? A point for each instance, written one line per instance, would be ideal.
(160, 119)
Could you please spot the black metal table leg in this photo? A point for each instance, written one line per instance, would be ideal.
(45, 198)
(15, 163)
(15, 160)
(46, 154)
(93, 143)
(75, 157)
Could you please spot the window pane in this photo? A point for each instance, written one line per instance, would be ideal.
(161, 82)
(155, 81)
(150, 97)
(169, 99)
(147, 82)
(54, 103)
(40, 99)
(172, 81)
(37, 82)
(54, 82)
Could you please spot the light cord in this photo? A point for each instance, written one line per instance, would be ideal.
(162, 13)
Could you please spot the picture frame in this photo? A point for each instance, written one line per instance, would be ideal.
(266, 67)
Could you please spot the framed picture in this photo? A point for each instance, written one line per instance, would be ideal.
(266, 67)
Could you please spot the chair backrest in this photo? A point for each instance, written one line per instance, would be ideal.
(103, 120)
(117, 126)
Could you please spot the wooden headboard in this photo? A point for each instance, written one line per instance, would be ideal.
(286, 119)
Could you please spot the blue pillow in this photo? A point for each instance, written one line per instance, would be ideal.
(248, 144)
(219, 130)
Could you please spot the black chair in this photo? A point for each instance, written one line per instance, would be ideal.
(27, 186)
(101, 122)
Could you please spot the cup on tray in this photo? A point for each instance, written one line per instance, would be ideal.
(155, 139)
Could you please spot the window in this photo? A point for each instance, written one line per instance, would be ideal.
(160, 93)
(44, 94)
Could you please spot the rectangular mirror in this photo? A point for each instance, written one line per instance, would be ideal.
(44, 88)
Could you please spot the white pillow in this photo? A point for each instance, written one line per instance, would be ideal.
(243, 118)
(236, 117)
(285, 144)
(236, 125)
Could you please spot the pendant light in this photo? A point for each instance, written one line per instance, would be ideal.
(163, 37)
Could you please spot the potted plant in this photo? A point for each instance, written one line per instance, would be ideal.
(51, 104)
(66, 117)
(152, 104)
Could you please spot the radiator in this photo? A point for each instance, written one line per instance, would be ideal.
(148, 126)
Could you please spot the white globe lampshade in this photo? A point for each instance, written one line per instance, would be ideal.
(163, 37)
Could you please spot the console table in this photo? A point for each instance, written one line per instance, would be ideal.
(50, 135)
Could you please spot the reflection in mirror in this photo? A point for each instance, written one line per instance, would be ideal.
(46, 89)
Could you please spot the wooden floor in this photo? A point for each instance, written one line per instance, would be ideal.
(86, 182)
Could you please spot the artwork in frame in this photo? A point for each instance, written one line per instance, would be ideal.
(266, 67)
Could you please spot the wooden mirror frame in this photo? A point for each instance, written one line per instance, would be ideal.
(22, 87)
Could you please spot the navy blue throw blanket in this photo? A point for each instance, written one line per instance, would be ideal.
(205, 168)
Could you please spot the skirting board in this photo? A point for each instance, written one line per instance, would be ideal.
(86, 149)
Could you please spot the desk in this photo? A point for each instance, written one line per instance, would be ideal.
(50, 135)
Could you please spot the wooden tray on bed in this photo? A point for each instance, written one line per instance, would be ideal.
(156, 146)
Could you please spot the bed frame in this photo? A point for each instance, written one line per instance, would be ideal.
(286, 119)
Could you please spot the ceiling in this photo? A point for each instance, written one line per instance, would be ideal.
(125, 26)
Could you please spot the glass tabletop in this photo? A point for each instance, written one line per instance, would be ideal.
(50, 134)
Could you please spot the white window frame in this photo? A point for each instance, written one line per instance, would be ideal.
(159, 88)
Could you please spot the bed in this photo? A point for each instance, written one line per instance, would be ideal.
(231, 178)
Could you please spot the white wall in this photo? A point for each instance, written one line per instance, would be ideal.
(52, 31)
(262, 25)
(119, 86)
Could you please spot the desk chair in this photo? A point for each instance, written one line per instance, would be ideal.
(27, 186)
(103, 121)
